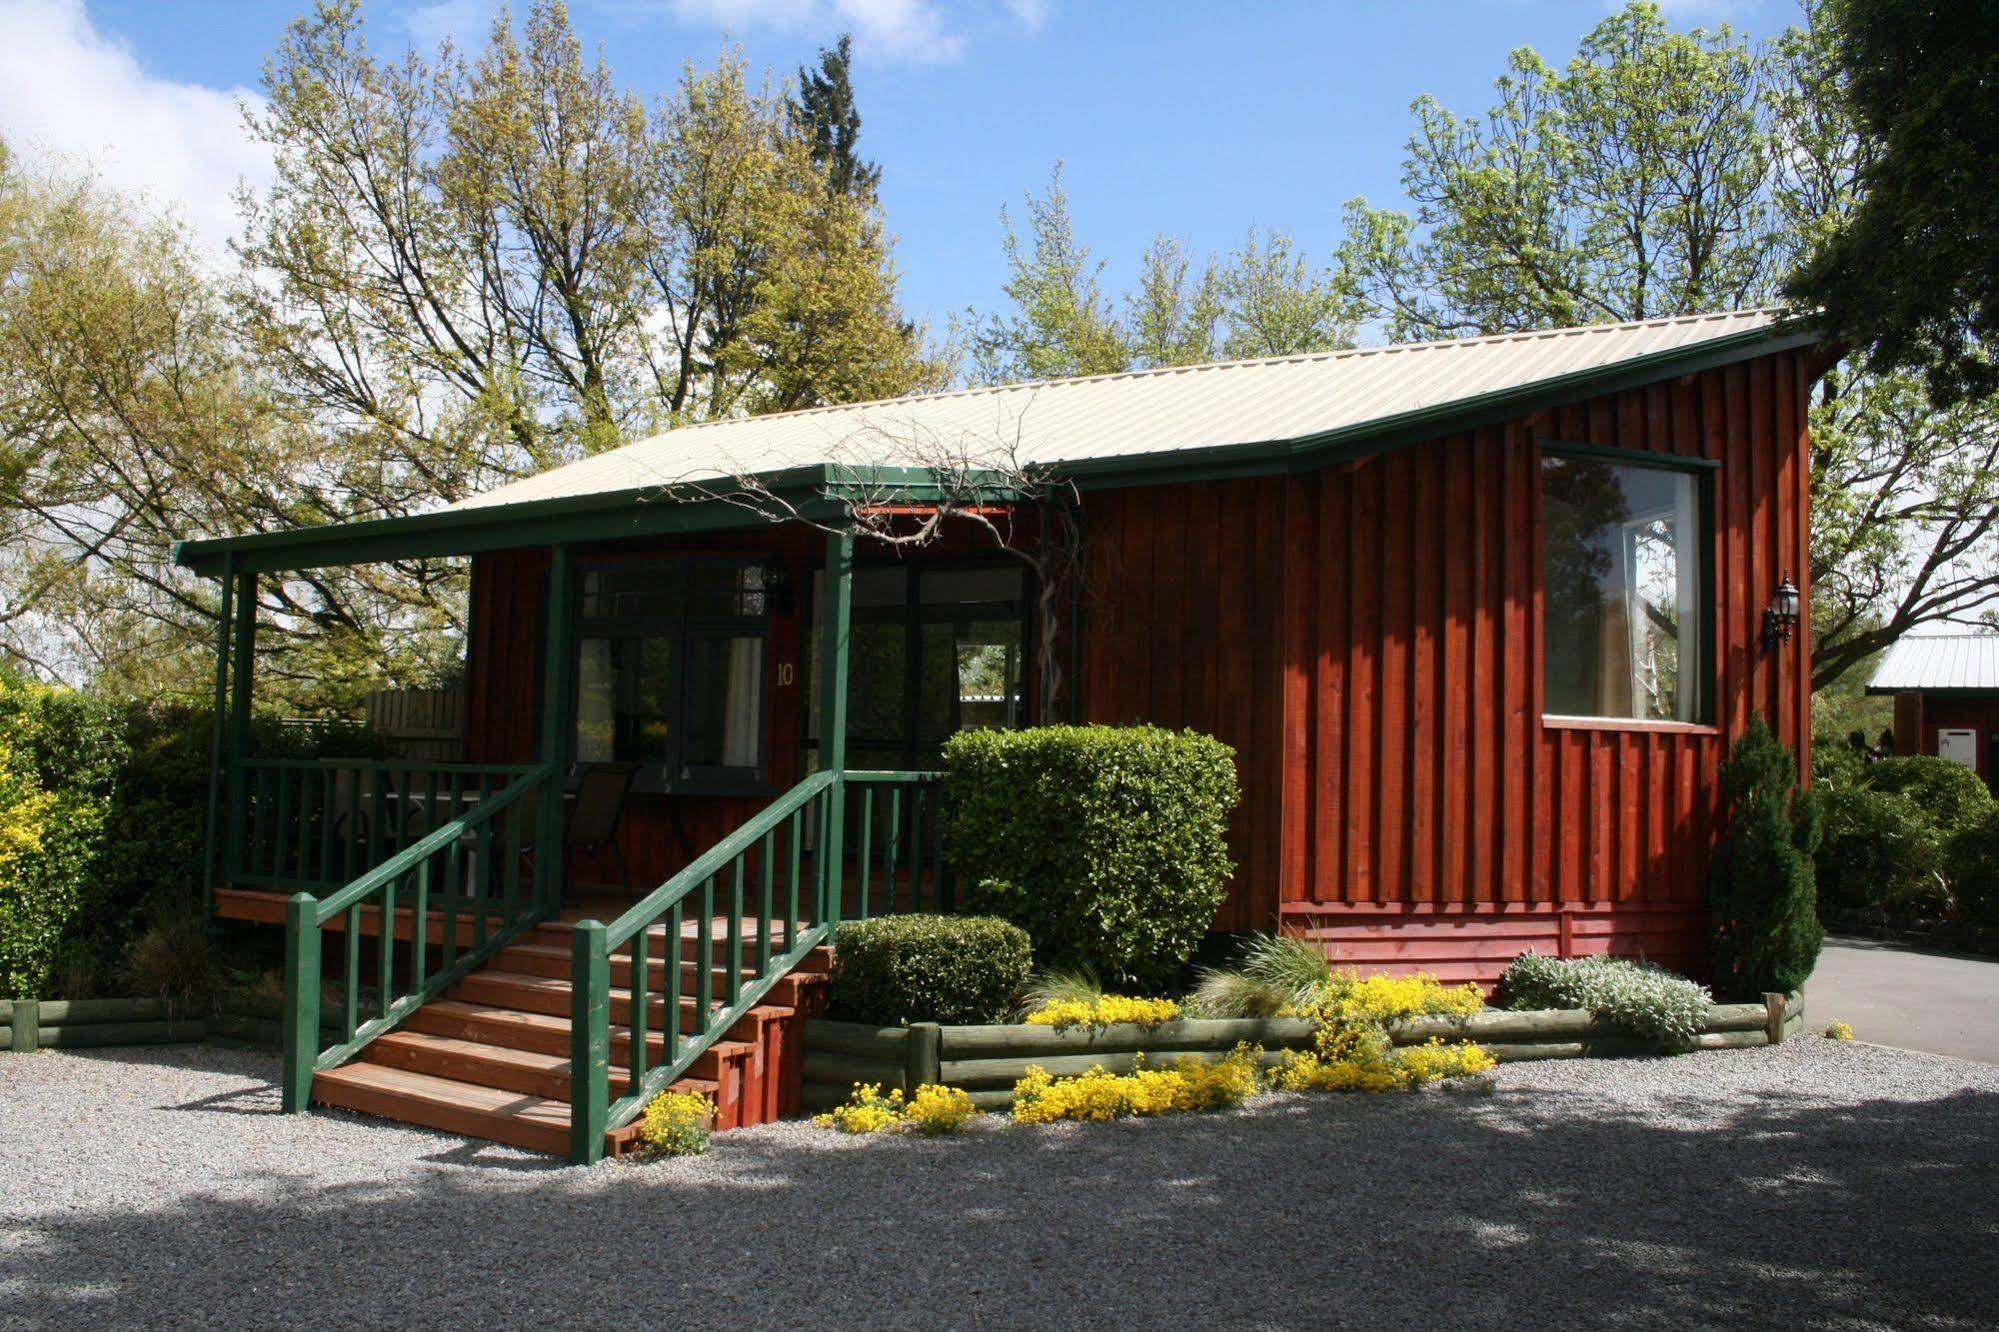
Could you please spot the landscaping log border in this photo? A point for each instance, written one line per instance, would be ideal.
(986, 1061)
(27, 1025)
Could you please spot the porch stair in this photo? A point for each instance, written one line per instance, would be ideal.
(491, 1058)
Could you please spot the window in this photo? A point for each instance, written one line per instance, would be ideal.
(933, 649)
(1623, 590)
(669, 670)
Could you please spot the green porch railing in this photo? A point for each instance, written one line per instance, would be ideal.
(478, 872)
(315, 824)
(765, 896)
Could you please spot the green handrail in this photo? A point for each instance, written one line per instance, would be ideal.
(434, 871)
(748, 863)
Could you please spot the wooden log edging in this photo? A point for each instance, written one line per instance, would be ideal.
(27, 1025)
(987, 1060)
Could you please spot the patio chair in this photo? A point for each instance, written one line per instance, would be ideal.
(591, 824)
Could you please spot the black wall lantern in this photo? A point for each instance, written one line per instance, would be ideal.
(1781, 615)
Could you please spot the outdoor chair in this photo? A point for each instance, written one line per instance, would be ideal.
(591, 825)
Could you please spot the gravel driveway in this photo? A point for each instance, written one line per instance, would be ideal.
(1813, 1185)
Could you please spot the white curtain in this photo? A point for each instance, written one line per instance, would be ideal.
(739, 719)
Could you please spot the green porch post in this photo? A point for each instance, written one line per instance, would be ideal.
(301, 1017)
(217, 740)
(590, 1037)
(243, 670)
(834, 618)
(557, 700)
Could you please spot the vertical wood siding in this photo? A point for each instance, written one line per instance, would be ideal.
(1368, 637)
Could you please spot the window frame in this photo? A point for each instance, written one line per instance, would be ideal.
(1704, 472)
(681, 629)
(912, 621)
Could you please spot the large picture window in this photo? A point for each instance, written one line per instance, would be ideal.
(669, 670)
(932, 649)
(1624, 590)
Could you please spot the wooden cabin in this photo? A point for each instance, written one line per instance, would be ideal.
(1480, 618)
(1946, 692)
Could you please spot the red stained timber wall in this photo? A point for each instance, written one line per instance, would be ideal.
(1368, 637)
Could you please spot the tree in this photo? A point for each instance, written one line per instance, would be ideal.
(1909, 273)
(1062, 323)
(824, 108)
(1664, 173)
(1626, 186)
(1274, 304)
(1171, 316)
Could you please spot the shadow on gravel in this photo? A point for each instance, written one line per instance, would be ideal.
(1527, 1206)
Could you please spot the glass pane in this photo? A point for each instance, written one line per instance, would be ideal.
(638, 590)
(937, 715)
(1620, 583)
(725, 590)
(948, 587)
(724, 702)
(989, 674)
(878, 682)
(624, 702)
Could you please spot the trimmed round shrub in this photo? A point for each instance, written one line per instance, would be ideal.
(1878, 851)
(1951, 796)
(1972, 858)
(917, 968)
(1108, 844)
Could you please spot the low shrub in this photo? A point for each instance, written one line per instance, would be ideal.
(173, 961)
(1972, 859)
(919, 968)
(1879, 850)
(678, 1124)
(1637, 997)
(1951, 796)
(1838, 1031)
(933, 1111)
(1187, 1086)
(1107, 844)
(1353, 1050)
(1764, 933)
(1102, 1011)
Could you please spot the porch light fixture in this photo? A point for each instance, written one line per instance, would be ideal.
(1781, 615)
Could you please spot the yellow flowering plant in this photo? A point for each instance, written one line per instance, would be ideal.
(1839, 1031)
(933, 1110)
(1187, 1086)
(1103, 1010)
(1353, 1050)
(678, 1123)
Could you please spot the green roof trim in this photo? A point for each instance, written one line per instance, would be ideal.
(822, 491)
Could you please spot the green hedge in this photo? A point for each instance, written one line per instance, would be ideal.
(1645, 1000)
(1951, 796)
(1972, 857)
(121, 838)
(919, 968)
(1879, 850)
(1108, 845)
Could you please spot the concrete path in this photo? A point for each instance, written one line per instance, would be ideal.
(1892, 994)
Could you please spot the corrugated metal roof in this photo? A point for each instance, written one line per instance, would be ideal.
(1146, 413)
(1939, 661)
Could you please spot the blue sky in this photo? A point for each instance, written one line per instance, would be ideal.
(1196, 120)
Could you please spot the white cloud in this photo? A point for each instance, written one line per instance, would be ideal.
(464, 22)
(67, 89)
(925, 31)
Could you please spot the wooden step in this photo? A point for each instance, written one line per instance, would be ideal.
(552, 997)
(537, 1123)
(540, 959)
(542, 1033)
(528, 1072)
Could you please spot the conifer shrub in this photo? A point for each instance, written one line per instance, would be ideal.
(1765, 928)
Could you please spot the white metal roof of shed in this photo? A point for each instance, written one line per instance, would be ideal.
(1939, 661)
(1139, 414)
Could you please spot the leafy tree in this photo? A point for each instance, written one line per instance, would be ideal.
(1062, 322)
(1274, 304)
(825, 108)
(1766, 926)
(1908, 273)
(1171, 316)
(1664, 173)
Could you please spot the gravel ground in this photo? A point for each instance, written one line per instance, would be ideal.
(1809, 1185)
